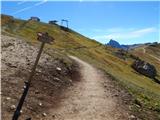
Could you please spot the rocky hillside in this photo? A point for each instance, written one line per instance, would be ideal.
(52, 76)
(145, 91)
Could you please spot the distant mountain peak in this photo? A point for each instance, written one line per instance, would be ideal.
(114, 43)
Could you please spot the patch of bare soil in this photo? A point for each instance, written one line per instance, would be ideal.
(49, 82)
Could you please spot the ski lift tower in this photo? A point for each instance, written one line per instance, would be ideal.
(66, 21)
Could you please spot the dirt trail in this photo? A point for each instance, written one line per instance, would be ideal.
(88, 99)
(155, 57)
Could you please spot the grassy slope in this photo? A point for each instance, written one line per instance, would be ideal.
(143, 88)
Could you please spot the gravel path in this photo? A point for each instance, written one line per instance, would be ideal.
(88, 99)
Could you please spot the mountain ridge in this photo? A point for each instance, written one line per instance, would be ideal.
(115, 44)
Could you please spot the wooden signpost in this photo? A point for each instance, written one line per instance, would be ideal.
(44, 38)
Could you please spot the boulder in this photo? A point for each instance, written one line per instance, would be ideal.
(144, 68)
(12, 107)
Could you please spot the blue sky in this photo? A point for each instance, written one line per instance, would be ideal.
(126, 22)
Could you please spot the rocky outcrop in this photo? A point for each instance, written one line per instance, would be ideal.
(144, 68)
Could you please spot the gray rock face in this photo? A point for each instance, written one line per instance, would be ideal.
(144, 68)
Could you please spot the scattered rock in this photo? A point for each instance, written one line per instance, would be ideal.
(58, 69)
(70, 80)
(44, 114)
(16, 67)
(57, 79)
(40, 104)
(37, 92)
(125, 102)
(10, 65)
(130, 107)
(13, 107)
(8, 98)
(116, 95)
(39, 71)
(132, 117)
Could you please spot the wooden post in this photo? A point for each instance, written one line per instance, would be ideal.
(44, 38)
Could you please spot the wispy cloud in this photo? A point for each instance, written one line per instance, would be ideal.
(127, 35)
(21, 2)
(21, 10)
(112, 30)
(40, 3)
(29, 7)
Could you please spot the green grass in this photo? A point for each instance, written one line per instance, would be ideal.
(143, 88)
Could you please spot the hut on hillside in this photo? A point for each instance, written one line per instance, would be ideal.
(53, 22)
(34, 19)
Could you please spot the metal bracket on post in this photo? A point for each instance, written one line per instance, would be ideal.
(44, 38)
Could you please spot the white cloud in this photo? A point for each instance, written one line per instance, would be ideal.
(126, 35)
(142, 32)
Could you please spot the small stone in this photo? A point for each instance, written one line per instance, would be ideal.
(130, 107)
(39, 71)
(21, 111)
(70, 80)
(36, 92)
(40, 104)
(138, 106)
(125, 102)
(56, 79)
(44, 114)
(13, 107)
(132, 117)
(116, 95)
(58, 68)
(8, 98)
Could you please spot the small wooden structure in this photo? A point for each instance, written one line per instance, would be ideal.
(34, 19)
(53, 22)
